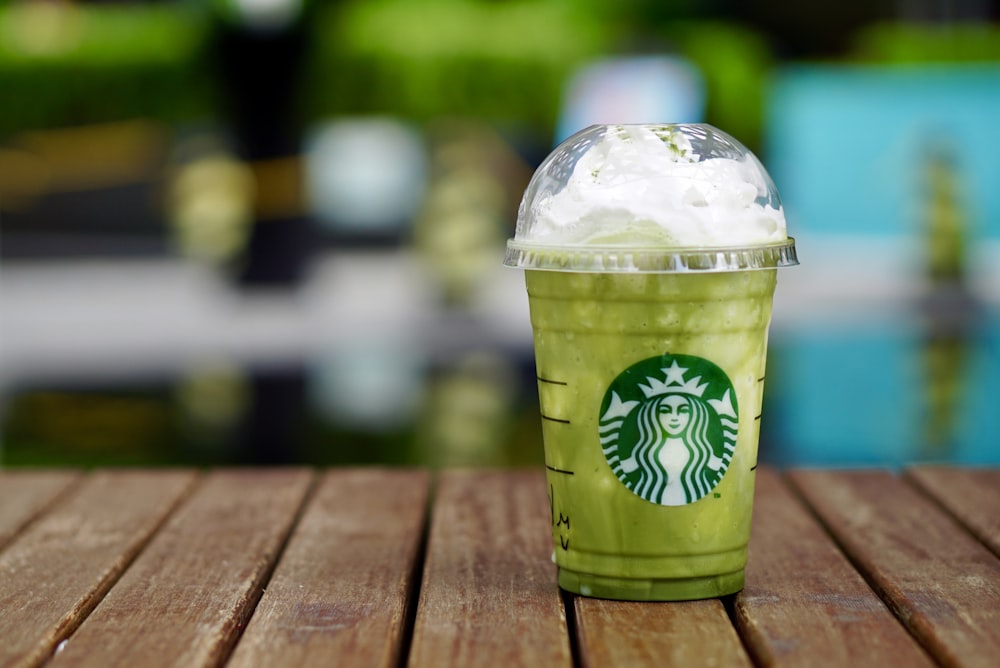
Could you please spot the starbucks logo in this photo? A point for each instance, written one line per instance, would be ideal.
(668, 428)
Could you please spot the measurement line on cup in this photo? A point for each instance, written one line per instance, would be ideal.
(555, 470)
(757, 417)
(553, 419)
(552, 381)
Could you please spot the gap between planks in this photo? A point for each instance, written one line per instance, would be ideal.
(61, 566)
(936, 576)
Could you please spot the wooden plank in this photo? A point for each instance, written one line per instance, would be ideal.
(62, 565)
(939, 580)
(971, 495)
(345, 585)
(688, 633)
(803, 600)
(25, 494)
(489, 594)
(185, 599)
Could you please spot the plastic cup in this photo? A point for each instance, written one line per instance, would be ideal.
(650, 353)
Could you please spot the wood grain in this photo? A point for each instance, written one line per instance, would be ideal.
(62, 565)
(342, 590)
(186, 598)
(970, 495)
(489, 594)
(941, 582)
(687, 633)
(25, 494)
(804, 600)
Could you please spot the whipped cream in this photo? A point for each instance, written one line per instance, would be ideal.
(648, 186)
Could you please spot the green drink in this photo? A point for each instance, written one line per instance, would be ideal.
(651, 365)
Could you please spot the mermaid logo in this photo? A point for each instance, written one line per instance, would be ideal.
(668, 428)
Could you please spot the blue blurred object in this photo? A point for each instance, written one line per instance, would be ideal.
(886, 348)
(365, 175)
(633, 89)
(845, 142)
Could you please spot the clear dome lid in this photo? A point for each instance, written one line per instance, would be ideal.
(650, 198)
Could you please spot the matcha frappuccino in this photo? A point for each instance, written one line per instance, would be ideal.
(651, 254)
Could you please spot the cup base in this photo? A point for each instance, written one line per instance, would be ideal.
(642, 589)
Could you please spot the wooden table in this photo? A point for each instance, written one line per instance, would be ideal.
(380, 567)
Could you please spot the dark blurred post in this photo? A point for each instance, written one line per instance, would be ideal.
(259, 58)
(260, 65)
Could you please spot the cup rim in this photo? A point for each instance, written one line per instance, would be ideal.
(649, 259)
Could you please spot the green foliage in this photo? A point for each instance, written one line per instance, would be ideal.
(495, 61)
(65, 65)
(923, 43)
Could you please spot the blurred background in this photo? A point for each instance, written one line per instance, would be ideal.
(270, 231)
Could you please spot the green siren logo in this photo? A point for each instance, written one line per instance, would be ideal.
(668, 428)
